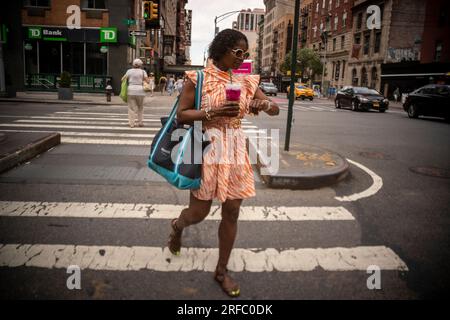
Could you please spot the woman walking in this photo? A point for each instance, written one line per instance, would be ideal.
(136, 94)
(151, 81)
(179, 86)
(227, 180)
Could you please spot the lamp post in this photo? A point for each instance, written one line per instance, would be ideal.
(293, 74)
(324, 62)
(221, 18)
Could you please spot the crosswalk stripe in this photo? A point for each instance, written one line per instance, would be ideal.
(90, 134)
(92, 122)
(76, 118)
(76, 127)
(164, 211)
(121, 258)
(106, 141)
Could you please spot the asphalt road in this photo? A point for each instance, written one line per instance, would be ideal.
(102, 161)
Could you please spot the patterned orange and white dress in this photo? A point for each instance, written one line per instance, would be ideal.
(226, 170)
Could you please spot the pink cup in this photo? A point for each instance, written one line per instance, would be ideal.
(233, 91)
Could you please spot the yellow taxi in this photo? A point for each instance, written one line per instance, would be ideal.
(303, 92)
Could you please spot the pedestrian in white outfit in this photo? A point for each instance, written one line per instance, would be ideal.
(136, 94)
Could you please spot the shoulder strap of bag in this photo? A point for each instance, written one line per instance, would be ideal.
(198, 89)
(198, 96)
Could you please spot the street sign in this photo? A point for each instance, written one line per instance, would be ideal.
(138, 33)
(129, 22)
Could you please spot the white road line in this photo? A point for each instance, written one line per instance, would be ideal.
(79, 118)
(76, 127)
(105, 121)
(164, 211)
(90, 134)
(105, 141)
(377, 184)
(101, 113)
(121, 258)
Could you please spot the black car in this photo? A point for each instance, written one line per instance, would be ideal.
(431, 100)
(361, 98)
(268, 88)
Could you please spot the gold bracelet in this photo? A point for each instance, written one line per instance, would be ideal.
(207, 115)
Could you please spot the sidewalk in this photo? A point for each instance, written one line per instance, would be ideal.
(52, 97)
(19, 147)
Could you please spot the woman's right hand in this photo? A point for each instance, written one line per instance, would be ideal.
(229, 109)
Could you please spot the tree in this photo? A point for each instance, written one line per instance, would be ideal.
(306, 59)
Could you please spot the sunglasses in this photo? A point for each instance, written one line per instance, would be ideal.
(239, 53)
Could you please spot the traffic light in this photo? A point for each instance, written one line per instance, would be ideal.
(154, 10)
(146, 9)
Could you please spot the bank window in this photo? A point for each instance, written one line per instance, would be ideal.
(342, 42)
(95, 60)
(334, 44)
(438, 51)
(37, 3)
(49, 57)
(94, 4)
(73, 57)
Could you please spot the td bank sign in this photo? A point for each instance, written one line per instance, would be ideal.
(108, 34)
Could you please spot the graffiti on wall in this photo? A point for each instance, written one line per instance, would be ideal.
(403, 54)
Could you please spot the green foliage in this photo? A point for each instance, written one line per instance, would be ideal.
(307, 59)
(65, 80)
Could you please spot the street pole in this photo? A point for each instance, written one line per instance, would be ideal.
(293, 74)
(223, 17)
(323, 66)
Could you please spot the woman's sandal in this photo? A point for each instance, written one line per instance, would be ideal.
(228, 285)
(174, 242)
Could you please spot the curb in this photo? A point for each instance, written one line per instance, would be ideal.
(63, 102)
(301, 181)
(29, 151)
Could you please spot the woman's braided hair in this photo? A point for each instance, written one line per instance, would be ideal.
(225, 40)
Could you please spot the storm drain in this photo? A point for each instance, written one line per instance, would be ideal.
(431, 171)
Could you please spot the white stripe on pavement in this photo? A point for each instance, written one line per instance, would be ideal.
(163, 211)
(198, 259)
(76, 127)
(374, 188)
(90, 134)
(76, 118)
(106, 141)
(92, 122)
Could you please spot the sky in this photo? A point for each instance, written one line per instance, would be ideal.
(203, 14)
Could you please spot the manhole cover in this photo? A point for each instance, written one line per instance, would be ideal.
(375, 155)
(431, 171)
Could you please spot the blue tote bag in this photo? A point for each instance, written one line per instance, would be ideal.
(178, 160)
